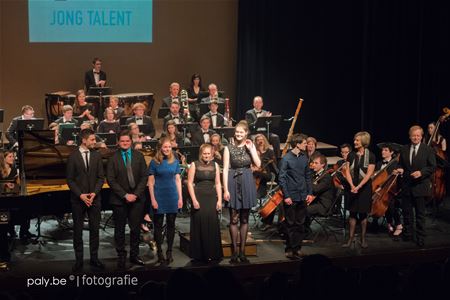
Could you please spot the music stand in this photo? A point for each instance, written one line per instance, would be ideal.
(226, 132)
(189, 151)
(187, 127)
(110, 139)
(69, 134)
(30, 124)
(99, 91)
(162, 112)
(2, 114)
(268, 122)
(204, 108)
(152, 144)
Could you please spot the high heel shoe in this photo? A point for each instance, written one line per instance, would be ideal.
(243, 258)
(398, 230)
(144, 227)
(234, 258)
(349, 243)
(390, 228)
(364, 244)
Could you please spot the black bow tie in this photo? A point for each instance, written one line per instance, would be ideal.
(385, 162)
(137, 119)
(96, 72)
(175, 117)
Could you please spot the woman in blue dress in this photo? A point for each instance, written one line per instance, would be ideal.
(239, 187)
(164, 184)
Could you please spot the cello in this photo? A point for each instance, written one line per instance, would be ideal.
(275, 197)
(438, 179)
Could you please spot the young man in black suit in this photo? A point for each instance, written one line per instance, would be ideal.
(95, 77)
(140, 119)
(11, 132)
(114, 104)
(174, 90)
(203, 134)
(417, 164)
(252, 115)
(85, 177)
(174, 114)
(127, 177)
(217, 119)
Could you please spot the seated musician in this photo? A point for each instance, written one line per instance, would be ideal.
(137, 137)
(11, 133)
(174, 90)
(251, 117)
(174, 114)
(202, 135)
(95, 77)
(323, 190)
(171, 131)
(213, 95)
(217, 119)
(264, 174)
(66, 118)
(217, 148)
(110, 124)
(81, 108)
(311, 145)
(393, 217)
(114, 104)
(140, 119)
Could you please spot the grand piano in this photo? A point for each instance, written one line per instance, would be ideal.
(42, 168)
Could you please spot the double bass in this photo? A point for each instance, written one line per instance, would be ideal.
(438, 179)
(275, 197)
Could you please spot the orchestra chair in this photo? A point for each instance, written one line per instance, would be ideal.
(324, 222)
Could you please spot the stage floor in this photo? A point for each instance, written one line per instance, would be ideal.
(56, 256)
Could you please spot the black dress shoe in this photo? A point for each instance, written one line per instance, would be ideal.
(77, 266)
(96, 263)
(121, 264)
(137, 261)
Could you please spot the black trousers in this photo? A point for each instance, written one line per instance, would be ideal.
(295, 215)
(274, 140)
(133, 213)
(170, 230)
(4, 248)
(393, 212)
(411, 203)
(79, 209)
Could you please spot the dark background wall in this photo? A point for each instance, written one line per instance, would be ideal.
(379, 66)
(188, 37)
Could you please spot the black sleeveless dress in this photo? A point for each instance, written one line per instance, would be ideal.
(205, 228)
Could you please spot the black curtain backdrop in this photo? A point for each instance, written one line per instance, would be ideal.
(379, 66)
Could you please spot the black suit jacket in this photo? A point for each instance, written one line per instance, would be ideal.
(120, 113)
(147, 121)
(167, 101)
(220, 119)
(197, 137)
(116, 175)
(81, 181)
(11, 132)
(89, 80)
(323, 189)
(425, 162)
(169, 117)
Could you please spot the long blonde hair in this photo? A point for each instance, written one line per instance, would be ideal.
(3, 165)
(159, 157)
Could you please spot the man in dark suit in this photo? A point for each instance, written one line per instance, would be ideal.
(95, 77)
(174, 89)
(114, 104)
(253, 114)
(202, 135)
(127, 177)
(174, 114)
(217, 119)
(11, 132)
(140, 119)
(213, 95)
(85, 177)
(417, 164)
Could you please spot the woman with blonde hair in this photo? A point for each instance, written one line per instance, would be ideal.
(81, 108)
(239, 187)
(164, 184)
(362, 166)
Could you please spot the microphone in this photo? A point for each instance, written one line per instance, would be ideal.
(288, 120)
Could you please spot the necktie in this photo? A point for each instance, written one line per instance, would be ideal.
(129, 171)
(413, 157)
(86, 158)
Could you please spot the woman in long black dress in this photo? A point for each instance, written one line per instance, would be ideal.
(362, 166)
(205, 190)
(239, 186)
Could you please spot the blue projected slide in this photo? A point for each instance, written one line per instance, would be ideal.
(122, 21)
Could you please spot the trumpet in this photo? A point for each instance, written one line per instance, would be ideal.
(184, 100)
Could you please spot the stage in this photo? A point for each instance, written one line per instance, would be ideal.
(55, 257)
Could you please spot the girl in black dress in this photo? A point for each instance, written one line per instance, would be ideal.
(362, 166)
(239, 186)
(109, 124)
(205, 191)
(81, 108)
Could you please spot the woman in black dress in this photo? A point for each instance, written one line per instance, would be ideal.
(171, 131)
(205, 191)
(109, 124)
(81, 108)
(239, 186)
(217, 148)
(195, 87)
(362, 166)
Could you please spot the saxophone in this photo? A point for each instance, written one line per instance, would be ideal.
(184, 100)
